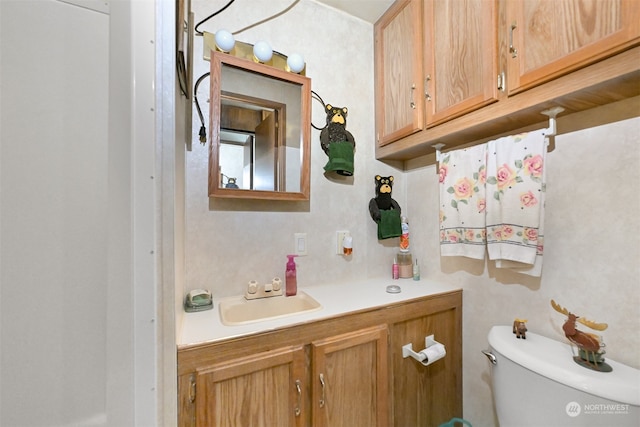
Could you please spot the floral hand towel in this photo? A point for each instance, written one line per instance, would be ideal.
(462, 202)
(535, 269)
(514, 208)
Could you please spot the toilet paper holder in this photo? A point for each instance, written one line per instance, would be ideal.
(432, 352)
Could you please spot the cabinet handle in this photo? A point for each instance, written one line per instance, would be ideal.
(426, 87)
(512, 49)
(413, 104)
(322, 384)
(192, 389)
(299, 389)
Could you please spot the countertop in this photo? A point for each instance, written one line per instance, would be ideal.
(336, 299)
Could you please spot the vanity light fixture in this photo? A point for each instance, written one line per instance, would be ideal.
(224, 40)
(262, 52)
(295, 63)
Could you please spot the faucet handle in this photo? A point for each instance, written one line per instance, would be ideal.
(277, 283)
(253, 287)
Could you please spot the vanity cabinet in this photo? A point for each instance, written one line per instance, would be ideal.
(342, 370)
(491, 66)
(264, 389)
(426, 395)
(350, 379)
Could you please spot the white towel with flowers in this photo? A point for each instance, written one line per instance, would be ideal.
(515, 201)
(462, 202)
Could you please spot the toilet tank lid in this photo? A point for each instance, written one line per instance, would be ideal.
(554, 360)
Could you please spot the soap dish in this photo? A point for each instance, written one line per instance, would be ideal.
(394, 289)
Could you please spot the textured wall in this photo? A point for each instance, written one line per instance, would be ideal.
(228, 242)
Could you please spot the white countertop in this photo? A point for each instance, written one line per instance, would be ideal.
(336, 299)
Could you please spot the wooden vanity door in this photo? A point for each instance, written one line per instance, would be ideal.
(350, 379)
(428, 395)
(260, 390)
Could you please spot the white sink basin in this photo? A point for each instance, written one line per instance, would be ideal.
(240, 311)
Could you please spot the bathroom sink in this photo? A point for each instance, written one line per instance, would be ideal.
(240, 311)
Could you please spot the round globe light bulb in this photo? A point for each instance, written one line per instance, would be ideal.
(225, 40)
(295, 62)
(262, 51)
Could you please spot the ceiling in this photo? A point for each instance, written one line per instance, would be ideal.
(368, 10)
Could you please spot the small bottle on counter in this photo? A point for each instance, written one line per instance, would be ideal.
(405, 265)
(395, 271)
(404, 237)
(291, 280)
(416, 270)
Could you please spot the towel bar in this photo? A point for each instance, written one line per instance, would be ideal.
(548, 132)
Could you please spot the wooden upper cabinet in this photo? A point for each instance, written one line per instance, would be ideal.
(350, 379)
(460, 56)
(265, 389)
(398, 72)
(550, 38)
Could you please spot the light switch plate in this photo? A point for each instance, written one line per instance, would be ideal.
(300, 244)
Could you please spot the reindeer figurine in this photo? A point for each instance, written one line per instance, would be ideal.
(589, 344)
(520, 328)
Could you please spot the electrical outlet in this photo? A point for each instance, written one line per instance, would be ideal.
(339, 239)
(300, 244)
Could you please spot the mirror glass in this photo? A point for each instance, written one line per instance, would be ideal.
(260, 131)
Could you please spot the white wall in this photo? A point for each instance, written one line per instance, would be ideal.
(77, 214)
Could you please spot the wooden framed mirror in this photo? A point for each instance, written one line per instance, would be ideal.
(260, 122)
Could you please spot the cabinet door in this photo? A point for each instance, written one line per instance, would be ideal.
(399, 89)
(264, 389)
(461, 57)
(427, 395)
(550, 38)
(350, 380)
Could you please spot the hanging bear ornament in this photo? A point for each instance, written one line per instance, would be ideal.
(384, 210)
(337, 142)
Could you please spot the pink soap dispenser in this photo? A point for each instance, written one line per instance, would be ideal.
(291, 281)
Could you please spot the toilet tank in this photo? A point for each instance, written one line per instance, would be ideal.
(535, 382)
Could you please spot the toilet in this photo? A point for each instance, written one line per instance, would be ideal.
(536, 382)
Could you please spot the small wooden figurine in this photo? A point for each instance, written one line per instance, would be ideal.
(520, 329)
